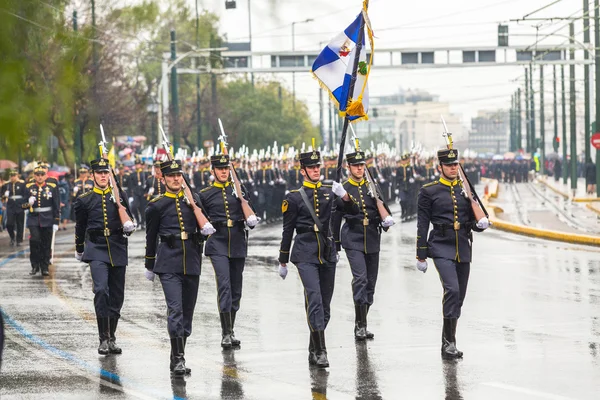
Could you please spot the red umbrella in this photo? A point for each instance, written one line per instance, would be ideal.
(6, 164)
(55, 174)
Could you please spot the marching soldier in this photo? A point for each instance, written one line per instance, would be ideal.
(404, 179)
(137, 188)
(176, 258)
(13, 194)
(83, 184)
(361, 237)
(308, 212)
(123, 179)
(445, 205)
(44, 212)
(100, 242)
(154, 185)
(228, 246)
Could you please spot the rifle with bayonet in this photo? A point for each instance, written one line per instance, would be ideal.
(189, 197)
(478, 208)
(124, 214)
(237, 184)
(374, 188)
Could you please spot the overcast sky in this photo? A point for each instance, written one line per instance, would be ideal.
(407, 24)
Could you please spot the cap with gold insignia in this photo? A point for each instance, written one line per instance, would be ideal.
(355, 158)
(310, 158)
(13, 172)
(448, 156)
(100, 164)
(170, 167)
(220, 160)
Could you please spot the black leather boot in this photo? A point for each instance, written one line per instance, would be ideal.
(454, 324)
(34, 269)
(312, 356)
(370, 335)
(360, 331)
(103, 335)
(187, 370)
(449, 351)
(226, 330)
(320, 349)
(44, 268)
(177, 365)
(112, 345)
(234, 341)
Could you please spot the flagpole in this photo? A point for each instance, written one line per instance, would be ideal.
(359, 45)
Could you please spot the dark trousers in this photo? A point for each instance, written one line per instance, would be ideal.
(454, 277)
(40, 244)
(181, 292)
(109, 289)
(138, 208)
(15, 219)
(365, 268)
(228, 274)
(318, 281)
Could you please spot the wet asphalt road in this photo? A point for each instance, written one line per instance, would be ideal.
(530, 329)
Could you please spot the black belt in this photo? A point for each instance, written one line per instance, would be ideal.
(228, 224)
(451, 227)
(178, 236)
(306, 230)
(363, 222)
(96, 233)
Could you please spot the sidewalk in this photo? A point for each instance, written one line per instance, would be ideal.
(565, 190)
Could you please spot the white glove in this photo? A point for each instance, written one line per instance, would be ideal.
(128, 227)
(338, 189)
(271, 183)
(151, 191)
(337, 258)
(54, 227)
(78, 256)
(287, 192)
(149, 275)
(321, 177)
(130, 200)
(252, 221)
(6, 193)
(32, 200)
(207, 229)
(396, 191)
(483, 223)
(255, 193)
(381, 180)
(411, 180)
(76, 189)
(422, 265)
(282, 271)
(388, 221)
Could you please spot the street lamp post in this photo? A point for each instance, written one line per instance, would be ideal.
(294, 49)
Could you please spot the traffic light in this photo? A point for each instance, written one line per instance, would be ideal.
(502, 35)
(230, 4)
(556, 143)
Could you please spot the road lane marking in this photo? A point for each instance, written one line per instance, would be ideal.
(526, 391)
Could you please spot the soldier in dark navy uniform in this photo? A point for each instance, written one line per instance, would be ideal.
(82, 184)
(100, 242)
(360, 237)
(445, 205)
(228, 247)
(154, 184)
(314, 252)
(137, 189)
(44, 211)
(174, 252)
(13, 195)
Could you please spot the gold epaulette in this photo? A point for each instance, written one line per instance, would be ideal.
(206, 189)
(52, 185)
(86, 194)
(431, 184)
(327, 186)
(154, 200)
(30, 184)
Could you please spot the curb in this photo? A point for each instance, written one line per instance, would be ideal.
(566, 195)
(536, 232)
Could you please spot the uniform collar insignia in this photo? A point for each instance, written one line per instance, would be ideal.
(173, 195)
(100, 191)
(221, 185)
(446, 182)
(311, 185)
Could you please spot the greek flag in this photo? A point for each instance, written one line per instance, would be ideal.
(333, 69)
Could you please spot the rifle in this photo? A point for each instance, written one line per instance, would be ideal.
(478, 208)
(115, 189)
(189, 197)
(374, 188)
(237, 185)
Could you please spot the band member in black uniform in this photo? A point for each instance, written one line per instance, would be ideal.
(308, 211)
(13, 195)
(154, 185)
(360, 238)
(100, 242)
(137, 188)
(176, 258)
(445, 205)
(228, 247)
(44, 212)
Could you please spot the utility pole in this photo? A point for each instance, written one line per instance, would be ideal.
(199, 143)
(542, 123)
(565, 172)
(330, 122)
(527, 116)
(321, 122)
(519, 123)
(555, 137)
(511, 118)
(532, 108)
(174, 95)
(572, 112)
(597, 56)
(586, 78)
(76, 132)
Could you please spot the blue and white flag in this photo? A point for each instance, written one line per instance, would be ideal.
(333, 68)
